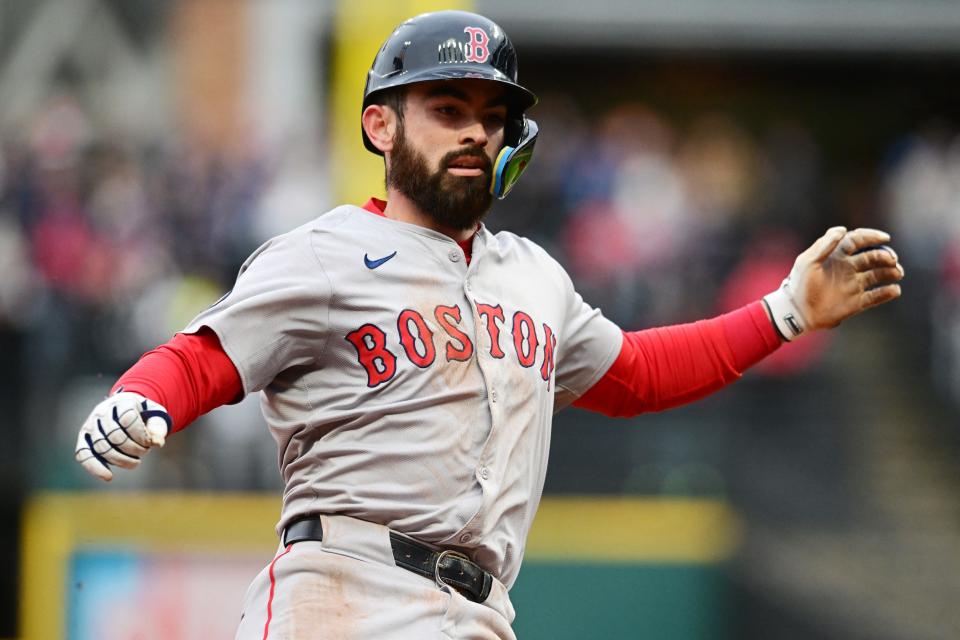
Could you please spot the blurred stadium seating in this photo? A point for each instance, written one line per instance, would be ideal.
(687, 150)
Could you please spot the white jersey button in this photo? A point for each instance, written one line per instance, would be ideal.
(484, 473)
(454, 255)
(493, 395)
(465, 538)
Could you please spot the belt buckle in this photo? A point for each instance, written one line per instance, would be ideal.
(436, 566)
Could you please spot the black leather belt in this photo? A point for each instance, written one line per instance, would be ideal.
(445, 567)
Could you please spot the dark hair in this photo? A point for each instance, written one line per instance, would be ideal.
(394, 97)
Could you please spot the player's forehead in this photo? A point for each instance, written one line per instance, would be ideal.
(477, 92)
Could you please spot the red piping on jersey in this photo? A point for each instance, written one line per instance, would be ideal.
(379, 207)
(669, 366)
(273, 584)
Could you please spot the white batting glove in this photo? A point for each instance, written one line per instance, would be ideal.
(119, 431)
(840, 275)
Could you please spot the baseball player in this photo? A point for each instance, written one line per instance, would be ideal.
(409, 361)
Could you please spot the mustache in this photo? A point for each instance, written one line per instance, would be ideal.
(469, 152)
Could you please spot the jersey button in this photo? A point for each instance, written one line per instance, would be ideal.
(484, 473)
(454, 255)
(465, 538)
(493, 395)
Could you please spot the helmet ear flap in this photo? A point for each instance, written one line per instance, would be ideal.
(513, 160)
(513, 130)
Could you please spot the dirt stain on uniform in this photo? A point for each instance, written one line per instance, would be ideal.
(327, 603)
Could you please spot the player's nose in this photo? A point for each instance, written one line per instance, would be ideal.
(474, 134)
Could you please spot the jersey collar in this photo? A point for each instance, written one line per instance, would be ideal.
(378, 206)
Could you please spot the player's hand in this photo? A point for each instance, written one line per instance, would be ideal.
(119, 431)
(840, 275)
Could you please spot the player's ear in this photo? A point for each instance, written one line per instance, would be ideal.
(380, 124)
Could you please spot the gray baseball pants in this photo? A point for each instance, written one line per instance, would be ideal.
(347, 587)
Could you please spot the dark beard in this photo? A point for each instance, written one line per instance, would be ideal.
(455, 202)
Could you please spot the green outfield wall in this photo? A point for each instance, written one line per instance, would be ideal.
(595, 567)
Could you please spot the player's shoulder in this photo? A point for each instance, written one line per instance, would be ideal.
(510, 244)
(301, 240)
(332, 219)
(522, 252)
(324, 224)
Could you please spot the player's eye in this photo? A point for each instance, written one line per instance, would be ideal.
(447, 110)
(495, 120)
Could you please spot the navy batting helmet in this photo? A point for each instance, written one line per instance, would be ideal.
(449, 45)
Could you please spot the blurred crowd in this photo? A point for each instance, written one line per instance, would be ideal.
(921, 197)
(660, 223)
(90, 223)
(108, 246)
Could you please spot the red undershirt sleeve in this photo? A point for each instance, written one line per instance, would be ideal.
(669, 366)
(189, 376)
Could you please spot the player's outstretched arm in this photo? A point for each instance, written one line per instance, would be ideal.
(840, 275)
(119, 431)
(190, 375)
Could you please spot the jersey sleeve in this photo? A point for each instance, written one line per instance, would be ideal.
(590, 344)
(277, 314)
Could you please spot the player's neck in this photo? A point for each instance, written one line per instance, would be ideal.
(399, 207)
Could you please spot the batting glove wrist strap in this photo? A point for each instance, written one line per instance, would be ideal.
(785, 312)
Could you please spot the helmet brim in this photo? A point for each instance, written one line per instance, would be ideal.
(519, 98)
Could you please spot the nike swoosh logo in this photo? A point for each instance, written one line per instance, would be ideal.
(373, 264)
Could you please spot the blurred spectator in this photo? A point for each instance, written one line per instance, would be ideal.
(922, 194)
(719, 163)
(921, 199)
(108, 246)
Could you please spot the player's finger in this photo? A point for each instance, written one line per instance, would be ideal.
(157, 429)
(158, 422)
(105, 448)
(90, 461)
(879, 295)
(873, 277)
(862, 238)
(826, 243)
(873, 258)
(127, 415)
(118, 433)
(120, 438)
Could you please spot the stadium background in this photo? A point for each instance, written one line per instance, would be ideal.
(688, 150)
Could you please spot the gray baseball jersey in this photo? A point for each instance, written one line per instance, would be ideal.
(405, 387)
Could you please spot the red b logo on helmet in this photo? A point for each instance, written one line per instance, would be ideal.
(476, 49)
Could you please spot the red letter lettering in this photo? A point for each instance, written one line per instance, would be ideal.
(443, 315)
(477, 50)
(409, 341)
(491, 315)
(549, 344)
(528, 355)
(371, 345)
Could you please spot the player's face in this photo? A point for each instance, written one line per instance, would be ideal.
(445, 147)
